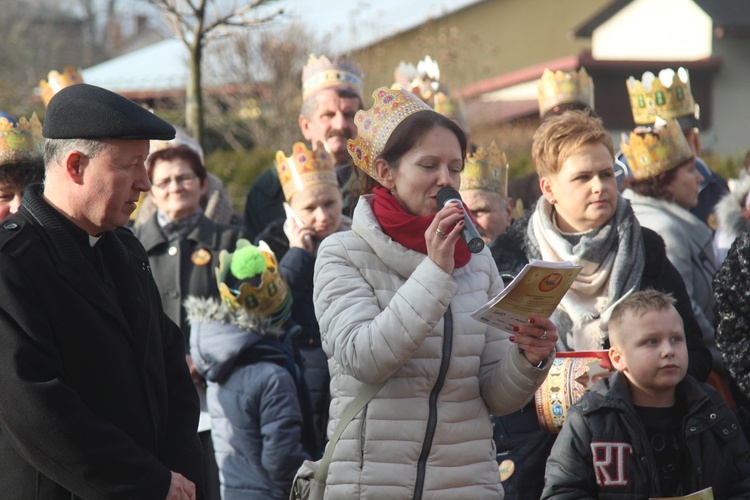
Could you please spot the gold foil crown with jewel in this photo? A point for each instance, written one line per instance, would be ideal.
(57, 81)
(651, 152)
(321, 73)
(666, 96)
(486, 170)
(564, 87)
(21, 141)
(270, 298)
(304, 168)
(375, 125)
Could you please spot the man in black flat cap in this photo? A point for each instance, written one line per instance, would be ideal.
(95, 396)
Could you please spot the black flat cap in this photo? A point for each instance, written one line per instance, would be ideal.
(85, 111)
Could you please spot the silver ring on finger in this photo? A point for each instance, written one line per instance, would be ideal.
(440, 233)
(544, 336)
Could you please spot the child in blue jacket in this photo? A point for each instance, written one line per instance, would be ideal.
(261, 423)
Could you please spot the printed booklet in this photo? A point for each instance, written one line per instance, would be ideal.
(535, 292)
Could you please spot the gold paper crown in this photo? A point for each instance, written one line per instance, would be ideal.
(321, 73)
(270, 298)
(486, 170)
(404, 75)
(568, 379)
(652, 151)
(668, 96)
(422, 80)
(22, 141)
(375, 125)
(58, 81)
(452, 107)
(304, 168)
(564, 87)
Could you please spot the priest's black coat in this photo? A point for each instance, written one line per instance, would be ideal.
(95, 396)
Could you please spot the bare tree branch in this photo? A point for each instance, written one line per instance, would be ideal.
(196, 30)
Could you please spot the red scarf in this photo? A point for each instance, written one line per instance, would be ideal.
(409, 230)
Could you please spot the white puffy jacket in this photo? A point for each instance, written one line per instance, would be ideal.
(380, 307)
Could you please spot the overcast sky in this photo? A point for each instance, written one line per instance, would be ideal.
(353, 24)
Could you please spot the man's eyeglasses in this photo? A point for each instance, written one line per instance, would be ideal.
(180, 180)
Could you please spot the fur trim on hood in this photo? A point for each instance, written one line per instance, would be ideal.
(730, 210)
(218, 336)
(200, 310)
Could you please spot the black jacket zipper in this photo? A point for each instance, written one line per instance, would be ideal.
(432, 418)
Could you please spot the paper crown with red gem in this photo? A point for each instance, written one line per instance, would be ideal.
(652, 151)
(57, 81)
(375, 125)
(270, 298)
(564, 87)
(486, 170)
(666, 96)
(304, 168)
(21, 141)
(321, 73)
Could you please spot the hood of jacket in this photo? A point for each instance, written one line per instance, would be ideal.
(218, 336)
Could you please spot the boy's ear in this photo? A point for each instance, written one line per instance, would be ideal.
(618, 361)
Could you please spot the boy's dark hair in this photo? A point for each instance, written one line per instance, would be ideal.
(639, 304)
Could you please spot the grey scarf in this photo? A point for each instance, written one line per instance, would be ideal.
(612, 253)
(177, 229)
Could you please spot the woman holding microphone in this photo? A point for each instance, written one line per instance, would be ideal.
(393, 298)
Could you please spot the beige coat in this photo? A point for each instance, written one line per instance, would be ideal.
(380, 307)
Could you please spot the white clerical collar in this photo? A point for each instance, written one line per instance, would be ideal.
(93, 240)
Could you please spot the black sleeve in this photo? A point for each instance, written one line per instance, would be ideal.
(732, 292)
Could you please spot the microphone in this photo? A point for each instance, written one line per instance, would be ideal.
(469, 232)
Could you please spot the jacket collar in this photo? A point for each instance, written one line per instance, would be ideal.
(74, 267)
(614, 392)
(394, 255)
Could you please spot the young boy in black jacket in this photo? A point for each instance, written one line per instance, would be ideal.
(650, 430)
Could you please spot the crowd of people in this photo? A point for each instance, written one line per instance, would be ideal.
(156, 345)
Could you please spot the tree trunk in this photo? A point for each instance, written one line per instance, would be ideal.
(194, 94)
